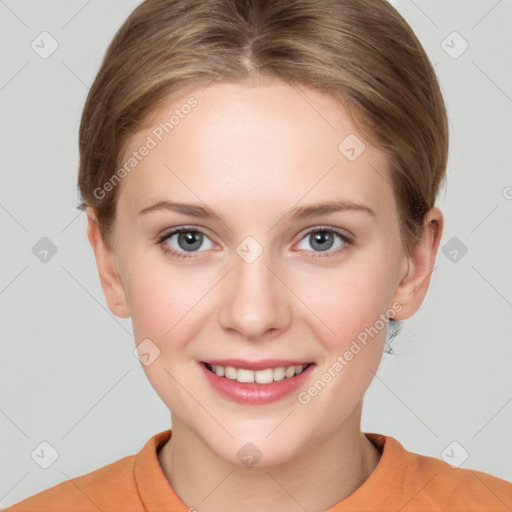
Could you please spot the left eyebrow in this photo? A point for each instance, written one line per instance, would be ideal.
(302, 212)
(339, 205)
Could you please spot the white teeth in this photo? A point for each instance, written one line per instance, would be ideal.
(219, 370)
(290, 371)
(260, 376)
(264, 376)
(279, 373)
(230, 372)
(245, 375)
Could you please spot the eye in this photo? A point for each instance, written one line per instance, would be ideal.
(323, 239)
(186, 242)
(178, 242)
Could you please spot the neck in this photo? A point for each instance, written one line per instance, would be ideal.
(316, 479)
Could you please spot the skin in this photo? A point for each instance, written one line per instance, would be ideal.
(251, 154)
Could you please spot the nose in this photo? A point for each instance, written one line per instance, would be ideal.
(255, 303)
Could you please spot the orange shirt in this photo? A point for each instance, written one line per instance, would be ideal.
(402, 481)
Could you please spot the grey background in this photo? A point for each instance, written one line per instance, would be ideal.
(68, 374)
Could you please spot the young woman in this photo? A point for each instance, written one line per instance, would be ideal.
(260, 181)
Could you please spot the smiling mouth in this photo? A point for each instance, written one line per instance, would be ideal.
(265, 376)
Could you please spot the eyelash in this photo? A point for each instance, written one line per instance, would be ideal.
(348, 241)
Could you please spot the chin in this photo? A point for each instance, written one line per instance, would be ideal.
(259, 452)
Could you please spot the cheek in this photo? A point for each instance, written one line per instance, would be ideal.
(152, 306)
(348, 300)
(162, 298)
(164, 304)
(352, 305)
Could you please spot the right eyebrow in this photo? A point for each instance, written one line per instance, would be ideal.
(185, 208)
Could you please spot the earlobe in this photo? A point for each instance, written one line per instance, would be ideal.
(414, 284)
(110, 277)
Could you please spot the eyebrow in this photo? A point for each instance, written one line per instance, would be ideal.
(302, 212)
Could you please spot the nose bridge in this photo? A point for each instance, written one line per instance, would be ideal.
(255, 301)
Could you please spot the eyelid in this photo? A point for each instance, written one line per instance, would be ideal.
(348, 240)
(318, 227)
(166, 233)
(162, 238)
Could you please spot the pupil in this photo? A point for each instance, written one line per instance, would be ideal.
(191, 240)
(321, 237)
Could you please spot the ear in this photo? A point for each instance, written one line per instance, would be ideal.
(414, 283)
(110, 278)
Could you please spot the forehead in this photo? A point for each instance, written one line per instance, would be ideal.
(266, 145)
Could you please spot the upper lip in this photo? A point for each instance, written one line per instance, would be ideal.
(256, 365)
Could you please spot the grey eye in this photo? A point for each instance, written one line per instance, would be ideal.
(187, 240)
(323, 240)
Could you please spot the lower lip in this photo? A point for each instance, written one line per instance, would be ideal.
(253, 393)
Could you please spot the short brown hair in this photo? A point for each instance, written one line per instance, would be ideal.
(360, 51)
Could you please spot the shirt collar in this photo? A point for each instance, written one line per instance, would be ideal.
(382, 486)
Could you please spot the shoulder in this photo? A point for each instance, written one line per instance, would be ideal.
(409, 481)
(434, 484)
(456, 487)
(127, 484)
(111, 487)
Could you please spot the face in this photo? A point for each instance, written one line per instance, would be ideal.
(259, 272)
